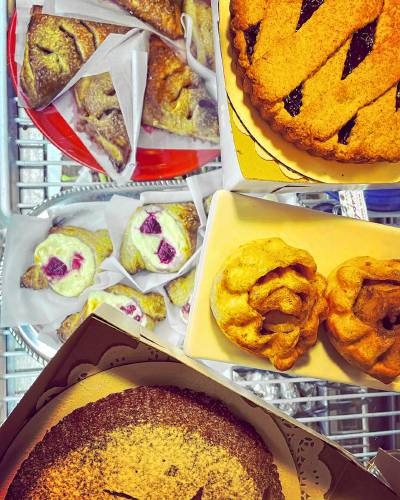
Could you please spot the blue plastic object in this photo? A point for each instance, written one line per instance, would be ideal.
(379, 200)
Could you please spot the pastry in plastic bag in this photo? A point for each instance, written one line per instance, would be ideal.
(160, 238)
(146, 309)
(364, 315)
(269, 299)
(68, 260)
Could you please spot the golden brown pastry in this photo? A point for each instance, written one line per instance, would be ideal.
(56, 48)
(146, 309)
(68, 260)
(176, 98)
(269, 299)
(202, 37)
(180, 293)
(160, 238)
(164, 15)
(364, 315)
(100, 117)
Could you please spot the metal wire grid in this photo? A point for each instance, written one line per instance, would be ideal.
(359, 419)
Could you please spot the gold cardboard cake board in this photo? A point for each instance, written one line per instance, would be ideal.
(309, 166)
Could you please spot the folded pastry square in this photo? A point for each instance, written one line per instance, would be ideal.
(202, 37)
(100, 117)
(55, 49)
(164, 15)
(146, 309)
(67, 260)
(364, 315)
(180, 292)
(160, 238)
(269, 299)
(176, 98)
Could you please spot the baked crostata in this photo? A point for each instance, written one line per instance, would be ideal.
(100, 117)
(324, 75)
(176, 98)
(56, 48)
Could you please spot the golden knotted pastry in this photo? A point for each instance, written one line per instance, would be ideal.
(364, 315)
(269, 299)
(146, 309)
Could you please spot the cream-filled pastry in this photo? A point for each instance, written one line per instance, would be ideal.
(180, 293)
(146, 309)
(67, 260)
(160, 238)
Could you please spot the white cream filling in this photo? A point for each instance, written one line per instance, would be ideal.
(148, 244)
(95, 300)
(65, 249)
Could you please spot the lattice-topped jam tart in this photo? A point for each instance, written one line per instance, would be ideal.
(324, 74)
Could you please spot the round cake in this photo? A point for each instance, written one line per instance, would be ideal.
(323, 75)
(149, 443)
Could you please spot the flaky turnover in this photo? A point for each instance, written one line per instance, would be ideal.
(269, 299)
(67, 260)
(364, 315)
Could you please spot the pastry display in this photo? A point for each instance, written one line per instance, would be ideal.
(150, 442)
(202, 36)
(68, 260)
(100, 117)
(164, 15)
(180, 293)
(269, 299)
(364, 315)
(326, 77)
(146, 309)
(160, 238)
(56, 48)
(176, 98)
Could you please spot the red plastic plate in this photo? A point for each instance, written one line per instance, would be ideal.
(152, 164)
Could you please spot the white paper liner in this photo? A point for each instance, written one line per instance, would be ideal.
(118, 213)
(25, 306)
(201, 186)
(127, 63)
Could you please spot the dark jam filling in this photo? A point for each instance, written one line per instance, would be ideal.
(166, 252)
(307, 10)
(345, 131)
(294, 101)
(151, 225)
(360, 46)
(398, 97)
(77, 261)
(389, 323)
(250, 35)
(55, 268)
(129, 310)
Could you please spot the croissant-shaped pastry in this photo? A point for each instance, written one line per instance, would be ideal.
(364, 315)
(100, 117)
(56, 48)
(146, 309)
(67, 260)
(164, 15)
(176, 98)
(180, 292)
(160, 238)
(269, 299)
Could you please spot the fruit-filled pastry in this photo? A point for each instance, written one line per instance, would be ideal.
(269, 299)
(164, 15)
(180, 292)
(100, 117)
(176, 98)
(202, 37)
(364, 315)
(67, 260)
(146, 309)
(55, 49)
(160, 238)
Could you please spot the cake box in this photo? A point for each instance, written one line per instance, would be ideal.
(255, 158)
(236, 219)
(110, 353)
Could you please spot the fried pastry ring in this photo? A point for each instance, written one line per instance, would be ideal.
(364, 315)
(269, 299)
